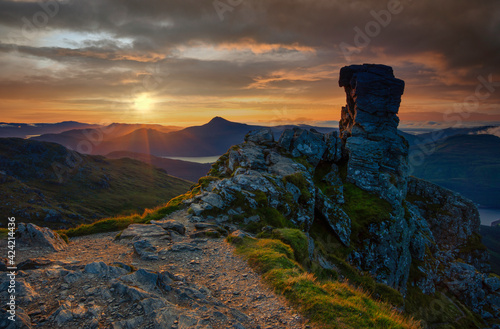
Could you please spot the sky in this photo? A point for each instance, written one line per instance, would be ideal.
(182, 62)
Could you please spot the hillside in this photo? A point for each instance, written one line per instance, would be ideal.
(469, 164)
(45, 183)
(187, 170)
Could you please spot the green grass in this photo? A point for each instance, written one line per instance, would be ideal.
(364, 208)
(322, 169)
(121, 223)
(329, 304)
(296, 239)
(303, 161)
(206, 180)
(300, 181)
(268, 217)
(216, 170)
(4, 232)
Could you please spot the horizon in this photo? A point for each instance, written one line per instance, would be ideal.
(182, 62)
(413, 127)
(408, 126)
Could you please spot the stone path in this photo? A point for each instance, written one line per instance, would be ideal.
(179, 281)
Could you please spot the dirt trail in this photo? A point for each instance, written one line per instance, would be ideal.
(228, 293)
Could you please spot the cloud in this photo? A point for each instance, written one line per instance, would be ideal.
(282, 50)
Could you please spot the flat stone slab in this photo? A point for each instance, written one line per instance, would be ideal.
(143, 230)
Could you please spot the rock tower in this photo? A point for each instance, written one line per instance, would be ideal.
(378, 155)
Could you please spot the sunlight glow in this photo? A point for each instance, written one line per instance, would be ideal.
(143, 103)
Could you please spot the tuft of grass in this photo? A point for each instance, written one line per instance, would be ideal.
(102, 226)
(330, 304)
(219, 165)
(268, 217)
(303, 161)
(64, 237)
(4, 232)
(206, 180)
(120, 223)
(297, 240)
(300, 181)
(322, 169)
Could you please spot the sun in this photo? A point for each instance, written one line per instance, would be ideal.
(143, 103)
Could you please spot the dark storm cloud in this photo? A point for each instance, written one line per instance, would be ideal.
(465, 32)
(438, 47)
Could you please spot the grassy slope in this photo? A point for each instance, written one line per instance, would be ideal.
(94, 188)
(328, 303)
(469, 164)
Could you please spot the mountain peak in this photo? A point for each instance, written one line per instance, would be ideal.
(219, 120)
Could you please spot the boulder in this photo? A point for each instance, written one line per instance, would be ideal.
(31, 235)
(146, 250)
(170, 224)
(260, 136)
(102, 269)
(148, 280)
(306, 143)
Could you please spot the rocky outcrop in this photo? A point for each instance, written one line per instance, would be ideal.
(30, 235)
(378, 155)
(403, 231)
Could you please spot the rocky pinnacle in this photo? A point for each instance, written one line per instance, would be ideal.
(378, 155)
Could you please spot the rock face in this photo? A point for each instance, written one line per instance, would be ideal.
(403, 231)
(35, 236)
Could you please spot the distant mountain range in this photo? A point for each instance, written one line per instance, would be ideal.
(213, 138)
(25, 130)
(437, 135)
(459, 159)
(47, 184)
